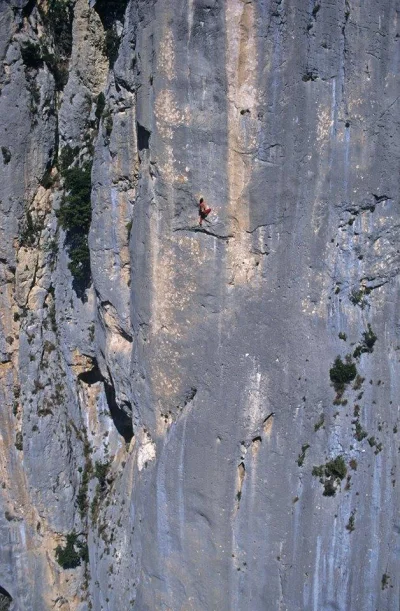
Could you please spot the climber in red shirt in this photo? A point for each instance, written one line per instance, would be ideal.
(204, 211)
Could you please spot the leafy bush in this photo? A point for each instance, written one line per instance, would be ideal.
(34, 55)
(82, 496)
(319, 423)
(79, 255)
(367, 345)
(100, 471)
(350, 524)
(360, 433)
(331, 474)
(369, 338)
(301, 457)
(67, 157)
(75, 216)
(58, 36)
(59, 19)
(342, 373)
(357, 297)
(58, 66)
(75, 212)
(31, 54)
(336, 468)
(29, 231)
(71, 556)
(111, 46)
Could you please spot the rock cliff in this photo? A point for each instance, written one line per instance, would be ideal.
(199, 418)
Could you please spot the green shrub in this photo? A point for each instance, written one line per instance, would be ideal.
(360, 433)
(82, 496)
(302, 456)
(100, 471)
(342, 373)
(59, 20)
(75, 212)
(350, 524)
(367, 345)
(71, 556)
(320, 423)
(58, 66)
(67, 157)
(357, 297)
(31, 54)
(30, 231)
(336, 468)
(369, 339)
(331, 474)
(111, 46)
(75, 216)
(358, 382)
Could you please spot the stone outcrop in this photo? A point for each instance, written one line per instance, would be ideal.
(176, 428)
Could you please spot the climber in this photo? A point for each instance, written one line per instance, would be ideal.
(204, 211)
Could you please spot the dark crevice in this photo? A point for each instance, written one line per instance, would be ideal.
(380, 198)
(120, 416)
(122, 420)
(143, 137)
(26, 11)
(271, 415)
(110, 11)
(241, 473)
(310, 75)
(93, 376)
(5, 599)
(6, 155)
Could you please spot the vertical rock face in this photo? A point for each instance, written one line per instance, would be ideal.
(176, 428)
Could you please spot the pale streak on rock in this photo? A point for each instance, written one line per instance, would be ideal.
(241, 70)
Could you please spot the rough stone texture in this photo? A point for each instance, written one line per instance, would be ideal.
(186, 397)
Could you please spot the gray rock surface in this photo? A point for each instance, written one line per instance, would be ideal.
(178, 413)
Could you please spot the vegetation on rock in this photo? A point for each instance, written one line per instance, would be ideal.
(71, 556)
(331, 474)
(342, 373)
(75, 216)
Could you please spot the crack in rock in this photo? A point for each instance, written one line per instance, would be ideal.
(197, 229)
